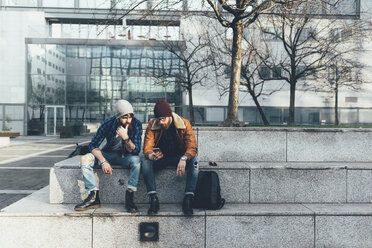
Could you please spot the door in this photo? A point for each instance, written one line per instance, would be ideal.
(54, 118)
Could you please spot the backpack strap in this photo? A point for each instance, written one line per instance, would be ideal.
(222, 203)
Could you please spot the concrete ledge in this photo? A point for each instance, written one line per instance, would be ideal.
(285, 144)
(236, 225)
(329, 146)
(226, 145)
(248, 182)
(67, 186)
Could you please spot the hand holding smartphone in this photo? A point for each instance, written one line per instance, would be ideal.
(157, 154)
(155, 149)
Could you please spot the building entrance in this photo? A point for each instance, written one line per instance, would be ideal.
(55, 117)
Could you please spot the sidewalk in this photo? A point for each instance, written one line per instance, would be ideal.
(25, 164)
(24, 147)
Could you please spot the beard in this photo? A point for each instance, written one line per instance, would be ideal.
(165, 126)
(128, 123)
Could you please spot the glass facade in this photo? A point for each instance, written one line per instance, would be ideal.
(88, 80)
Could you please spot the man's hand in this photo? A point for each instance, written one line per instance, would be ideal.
(181, 168)
(106, 168)
(123, 132)
(156, 155)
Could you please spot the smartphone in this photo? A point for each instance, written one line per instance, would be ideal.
(156, 149)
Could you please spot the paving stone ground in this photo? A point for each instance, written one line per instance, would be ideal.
(22, 172)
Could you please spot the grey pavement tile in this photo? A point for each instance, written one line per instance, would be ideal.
(64, 152)
(7, 199)
(23, 179)
(34, 162)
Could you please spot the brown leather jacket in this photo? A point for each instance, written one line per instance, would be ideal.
(185, 136)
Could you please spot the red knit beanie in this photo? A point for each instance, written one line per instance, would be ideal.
(162, 109)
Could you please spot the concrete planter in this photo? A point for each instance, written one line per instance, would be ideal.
(9, 134)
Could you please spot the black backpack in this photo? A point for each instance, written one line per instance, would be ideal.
(208, 191)
(79, 150)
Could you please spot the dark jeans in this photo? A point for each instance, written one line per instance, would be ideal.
(192, 169)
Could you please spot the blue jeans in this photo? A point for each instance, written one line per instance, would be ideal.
(114, 158)
(192, 168)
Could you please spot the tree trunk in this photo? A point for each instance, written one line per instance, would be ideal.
(254, 97)
(292, 104)
(336, 106)
(191, 107)
(260, 110)
(236, 64)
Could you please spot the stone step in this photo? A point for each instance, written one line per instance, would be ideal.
(241, 182)
(33, 222)
(285, 144)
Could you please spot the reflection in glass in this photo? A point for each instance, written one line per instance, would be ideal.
(75, 114)
(75, 89)
(55, 90)
(55, 56)
(36, 90)
(50, 121)
(89, 79)
(76, 60)
(36, 59)
(59, 120)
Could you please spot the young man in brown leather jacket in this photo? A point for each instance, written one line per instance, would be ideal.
(175, 145)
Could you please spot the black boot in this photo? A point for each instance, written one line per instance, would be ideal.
(187, 205)
(91, 202)
(129, 204)
(154, 205)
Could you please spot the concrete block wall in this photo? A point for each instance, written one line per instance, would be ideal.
(254, 165)
(248, 182)
(285, 145)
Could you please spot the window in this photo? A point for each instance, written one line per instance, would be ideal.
(342, 7)
(59, 3)
(276, 72)
(24, 3)
(38, 71)
(264, 72)
(267, 73)
(95, 4)
(271, 34)
(307, 34)
(351, 99)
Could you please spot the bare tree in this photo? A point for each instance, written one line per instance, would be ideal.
(253, 84)
(342, 74)
(193, 60)
(309, 43)
(238, 15)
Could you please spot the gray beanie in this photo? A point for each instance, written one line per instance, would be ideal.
(123, 107)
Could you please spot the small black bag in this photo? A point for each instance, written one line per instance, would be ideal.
(79, 150)
(208, 191)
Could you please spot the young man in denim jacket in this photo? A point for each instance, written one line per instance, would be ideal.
(123, 135)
